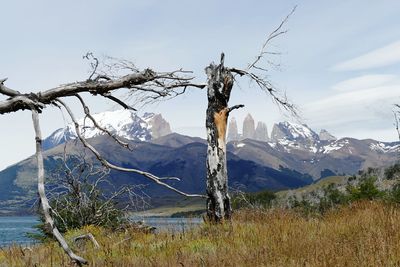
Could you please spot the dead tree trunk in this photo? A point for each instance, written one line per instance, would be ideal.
(219, 86)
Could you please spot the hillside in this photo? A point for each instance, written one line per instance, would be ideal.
(183, 159)
(293, 156)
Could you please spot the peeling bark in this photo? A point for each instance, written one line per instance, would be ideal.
(220, 82)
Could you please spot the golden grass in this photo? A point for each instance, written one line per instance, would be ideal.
(363, 234)
(336, 180)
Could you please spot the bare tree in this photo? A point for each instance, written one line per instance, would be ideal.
(220, 81)
(146, 86)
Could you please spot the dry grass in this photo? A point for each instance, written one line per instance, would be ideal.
(364, 234)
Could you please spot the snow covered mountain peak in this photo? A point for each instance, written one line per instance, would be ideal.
(293, 132)
(123, 123)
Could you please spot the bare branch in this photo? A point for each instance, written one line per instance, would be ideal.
(90, 237)
(87, 114)
(235, 107)
(266, 86)
(118, 101)
(94, 64)
(7, 91)
(146, 84)
(169, 178)
(43, 199)
(255, 73)
(277, 32)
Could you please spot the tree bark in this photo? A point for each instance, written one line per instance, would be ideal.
(219, 86)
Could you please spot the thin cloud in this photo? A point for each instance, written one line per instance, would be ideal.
(381, 57)
(354, 110)
(364, 82)
(358, 98)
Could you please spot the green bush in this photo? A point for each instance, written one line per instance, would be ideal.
(253, 200)
(331, 197)
(366, 189)
(393, 172)
(77, 200)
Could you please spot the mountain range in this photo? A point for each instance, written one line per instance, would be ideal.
(293, 156)
(122, 123)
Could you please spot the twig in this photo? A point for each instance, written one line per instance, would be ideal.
(87, 114)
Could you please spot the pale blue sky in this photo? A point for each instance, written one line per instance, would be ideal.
(340, 60)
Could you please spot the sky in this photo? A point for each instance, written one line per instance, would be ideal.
(339, 61)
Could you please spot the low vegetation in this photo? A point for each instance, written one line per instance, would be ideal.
(364, 233)
(365, 186)
(354, 226)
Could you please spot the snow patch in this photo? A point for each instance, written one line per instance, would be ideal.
(123, 123)
(298, 130)
(240, 145)
(382, 147)
(332, 147)
(273, 145)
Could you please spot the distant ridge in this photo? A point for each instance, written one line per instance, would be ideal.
(294, 155)
(123, 123)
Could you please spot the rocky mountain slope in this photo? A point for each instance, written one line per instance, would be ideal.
(293, 156)
(123, 123)
(259, 133)
(171, 155)
(296, 146)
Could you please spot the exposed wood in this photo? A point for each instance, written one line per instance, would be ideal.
(89, 237)
(146, 85)
(43, 199)
(220, 82)
(155, 85)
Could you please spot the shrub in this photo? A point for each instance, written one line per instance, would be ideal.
(393, 172)
(366, 189)
(77, 199)
(253, 200)
(331, 198)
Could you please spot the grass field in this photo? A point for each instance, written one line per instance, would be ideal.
(363, 234)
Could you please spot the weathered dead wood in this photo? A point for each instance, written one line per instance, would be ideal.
(146, 85)
(43, 199)
(88, 236)
(396, 114)
(87, 114)
(154, 86)
(149, 86)
(220, 82)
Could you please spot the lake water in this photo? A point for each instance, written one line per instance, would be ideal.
(13, 229)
